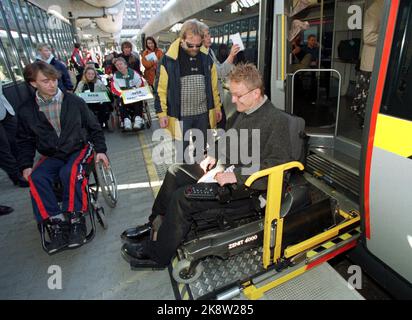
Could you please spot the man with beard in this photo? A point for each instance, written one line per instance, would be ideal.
(186, 87)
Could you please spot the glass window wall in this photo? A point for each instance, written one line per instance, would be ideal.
(22, 27)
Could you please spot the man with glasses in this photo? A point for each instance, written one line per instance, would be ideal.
(257, 122)
(186, 88)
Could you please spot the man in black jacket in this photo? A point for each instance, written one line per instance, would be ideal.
(258, 139)
(64, 131)
(44, 54)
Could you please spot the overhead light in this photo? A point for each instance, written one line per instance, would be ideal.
(112, 11)
(217, 10)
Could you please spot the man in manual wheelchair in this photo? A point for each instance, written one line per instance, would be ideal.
(60, 126)
(154, 244)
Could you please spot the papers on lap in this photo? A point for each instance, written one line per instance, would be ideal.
(209, 177)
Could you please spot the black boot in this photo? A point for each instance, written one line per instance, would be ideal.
(58, 235)
(78, 230)
(5, 210)
(137, 234)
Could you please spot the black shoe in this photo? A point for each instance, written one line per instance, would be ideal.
(18, 180)
(137, 258)
(5, 210)
(77, 236)
(58, 235)
(137, 234)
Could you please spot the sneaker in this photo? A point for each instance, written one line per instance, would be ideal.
(138, 123)
(127, 124)
(58, 235)
(77, 236)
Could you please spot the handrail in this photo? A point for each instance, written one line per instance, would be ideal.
(272, 212)
(317, 70)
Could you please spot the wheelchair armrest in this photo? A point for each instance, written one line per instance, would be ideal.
(273, 172)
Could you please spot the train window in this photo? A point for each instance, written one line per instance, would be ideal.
(397, 99)
(5, 76)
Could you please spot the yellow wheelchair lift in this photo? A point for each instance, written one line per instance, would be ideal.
(303, 255)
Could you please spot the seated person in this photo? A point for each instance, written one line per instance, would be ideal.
(91, 83)
(64, 131)
(126, 78)
(254, 111)
(312, 47)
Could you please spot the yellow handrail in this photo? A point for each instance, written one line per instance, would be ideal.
(272, 212)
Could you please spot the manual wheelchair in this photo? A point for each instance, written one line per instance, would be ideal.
(116, 121)
(99, 179)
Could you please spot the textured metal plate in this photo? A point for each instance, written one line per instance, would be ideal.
(219, 273)
(320, 283)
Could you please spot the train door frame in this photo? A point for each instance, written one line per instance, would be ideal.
(388, 278)
(373, 262)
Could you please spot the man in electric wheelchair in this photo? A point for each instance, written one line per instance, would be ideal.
(153, 245)
(60, 126)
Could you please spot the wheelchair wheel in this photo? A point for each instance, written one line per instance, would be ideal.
(187, 272)
(107, 183)
(101, 217)
(148, 117)
(113, 122)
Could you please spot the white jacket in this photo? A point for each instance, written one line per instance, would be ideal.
(371, 26)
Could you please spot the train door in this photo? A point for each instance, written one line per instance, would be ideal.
(323, 91)
(387, 175)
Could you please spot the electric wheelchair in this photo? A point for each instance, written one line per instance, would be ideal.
(288, 220)
(99, 179)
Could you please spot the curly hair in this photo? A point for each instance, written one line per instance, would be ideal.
(248, 74)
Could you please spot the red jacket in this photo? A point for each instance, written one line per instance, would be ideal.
(151, 66)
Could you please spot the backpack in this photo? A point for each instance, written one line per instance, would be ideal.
(348, 50)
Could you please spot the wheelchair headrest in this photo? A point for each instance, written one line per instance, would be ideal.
(298, 137)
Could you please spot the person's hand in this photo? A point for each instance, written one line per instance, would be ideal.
(164, 121)
(218, 115)
(102, 157)
(26, 173)
(233, 52)
(296, 50)
(225, 178)
(207, 163)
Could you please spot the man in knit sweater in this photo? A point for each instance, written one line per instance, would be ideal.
(257, 122)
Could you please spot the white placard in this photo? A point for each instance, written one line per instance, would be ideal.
(94, 97)
(236, 39)
(137, 94)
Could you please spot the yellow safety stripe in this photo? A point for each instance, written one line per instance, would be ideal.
(394, 135)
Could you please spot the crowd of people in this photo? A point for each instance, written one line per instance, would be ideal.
(68, 133)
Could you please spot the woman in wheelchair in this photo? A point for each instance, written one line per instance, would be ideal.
(91, 83)
(62, 129)
(123, 79)
(174, 211)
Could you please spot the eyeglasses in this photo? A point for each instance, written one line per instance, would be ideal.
(241, 96)
(191, 46)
